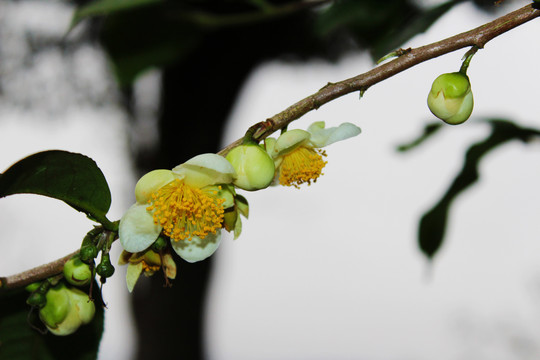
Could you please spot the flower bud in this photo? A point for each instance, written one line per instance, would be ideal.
(66, 310)
(57, 307)
(254, 167)
(32, 287)
(88, 253)
(450, 98)
(37, 299)
(160, 244)
(83, 305)
(105, 269)
(77, 272)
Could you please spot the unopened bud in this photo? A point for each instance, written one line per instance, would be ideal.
(57, 308)
(254, 167)
(77, 272)
(450, 98)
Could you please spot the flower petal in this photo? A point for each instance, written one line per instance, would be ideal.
(133, 273)
(150, 183)
(321, 137)
(206, 169)
(269, 145)
(289, 140)
(197, 249)
(137, 230)
(169, 266)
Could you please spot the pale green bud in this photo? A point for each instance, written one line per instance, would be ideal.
(77, 272)
(450, 98)
(83, 305)
(254, 167)
(66, 310)
(57, 307)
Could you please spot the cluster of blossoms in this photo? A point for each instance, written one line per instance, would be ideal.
(192, 203)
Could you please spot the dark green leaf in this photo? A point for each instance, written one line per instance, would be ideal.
(429, 130)
(368, 21)
(19, 341)
(416, 25)
(73, 178)
(143, 38)
(433, 223)
(107, 7)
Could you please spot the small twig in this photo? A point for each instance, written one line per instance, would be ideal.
(38, 273)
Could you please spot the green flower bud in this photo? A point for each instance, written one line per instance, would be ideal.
(88, 253)
(105, 269)
(450, 98)
(254, 167)
(37, 299)
(32, 287)
(66, 310)
(77, 272)
(57, 307)
(85, 308)
(159, 244)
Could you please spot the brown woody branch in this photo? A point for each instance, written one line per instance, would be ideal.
(407, 58)
(38, 273)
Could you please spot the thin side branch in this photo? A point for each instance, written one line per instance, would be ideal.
(38, 273)
(477, 37)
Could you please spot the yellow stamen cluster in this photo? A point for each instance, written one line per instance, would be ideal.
(302, 165)
(184, 211)
(148, 268)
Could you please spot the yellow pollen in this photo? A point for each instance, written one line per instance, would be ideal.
(184, 211)
(150, 268)
(302, 165)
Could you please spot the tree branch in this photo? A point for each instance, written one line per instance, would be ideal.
(477, 37)
(408, 58)
(38, 273)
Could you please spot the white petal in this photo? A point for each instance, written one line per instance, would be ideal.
(290, 140)
(322, 137)
(197, 249)
(150, 183)
(206, 169)
(137, 230)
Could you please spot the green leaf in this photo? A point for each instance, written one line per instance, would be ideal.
(19, 341)
(367, 21)
(107, 7)
(429, 130)
(433, 223)
(416, 25)
(72, 178)
(144, 38)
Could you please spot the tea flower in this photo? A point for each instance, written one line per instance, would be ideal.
(186, 203)
(297, 154)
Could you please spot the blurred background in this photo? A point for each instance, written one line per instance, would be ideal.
(330, 271)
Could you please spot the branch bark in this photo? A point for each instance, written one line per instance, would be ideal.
(476, 37)
(38, 273)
